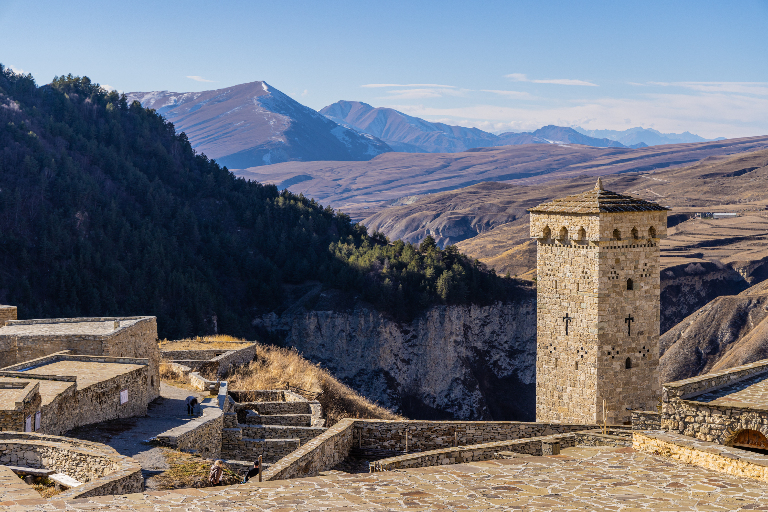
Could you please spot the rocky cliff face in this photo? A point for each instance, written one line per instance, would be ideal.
(463, 362)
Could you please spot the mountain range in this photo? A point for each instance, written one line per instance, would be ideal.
(255, 124)
(414, 135)
(647, 136)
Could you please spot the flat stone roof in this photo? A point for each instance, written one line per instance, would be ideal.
(67, 326)
(583, 478)
(9, 397)
(750, 392)
(87, 372)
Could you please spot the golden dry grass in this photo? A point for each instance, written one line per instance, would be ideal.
(216, 341)
(170, 375)
(277, 368)
(189, 471)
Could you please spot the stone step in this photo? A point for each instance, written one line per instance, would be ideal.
(272, 450)
(293, 420)
(303, 434)
(272, 408)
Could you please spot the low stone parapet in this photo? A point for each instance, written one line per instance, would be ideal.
(646, 420)
(201, 435)
(102, 470)
(726, 459)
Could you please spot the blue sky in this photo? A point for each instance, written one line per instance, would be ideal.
(499, 65)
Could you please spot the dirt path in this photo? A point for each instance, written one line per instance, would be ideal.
(129, 436)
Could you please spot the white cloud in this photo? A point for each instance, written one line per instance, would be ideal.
(756, 88)
(16, 70)
(520, 77)
(108, 87)
(305, 92)
(199, 79)
(510, 94)
(409, 85)
(709, 115)
(422, 93)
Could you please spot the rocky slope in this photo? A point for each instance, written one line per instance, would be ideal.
(728, 331)
(255, 124)
(463, 362)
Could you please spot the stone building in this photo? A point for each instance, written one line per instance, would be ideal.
(61, 373)
(597, 306)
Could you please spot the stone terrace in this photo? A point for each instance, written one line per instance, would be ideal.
(586, 478)
(86, 372)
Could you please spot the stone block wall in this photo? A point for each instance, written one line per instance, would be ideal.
(261, 395)
(7, 313)
(102, 470)
(713, 422)
(432, 435)
(212, 361)
(203, 435)
(598, 295)
(646, 420)
(27, 402)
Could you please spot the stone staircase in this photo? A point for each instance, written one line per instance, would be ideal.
(272, 429)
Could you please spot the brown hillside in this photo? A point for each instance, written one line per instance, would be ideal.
(727, 332)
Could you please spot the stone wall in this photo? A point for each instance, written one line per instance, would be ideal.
(202, 435)
(26, 403)
(646, 420)
(101, 469)
(600, 283)
(478, 452)
(713, 422)
(319, 454)
(260, 395)
(725, 459)
(7, 313)
(431, 435)
(132, 337)
(212, 361)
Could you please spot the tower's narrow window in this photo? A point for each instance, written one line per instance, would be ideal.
(582, 234)
(563, 234)
(634, 233)
(577, 365)
(616, 234)
(628, 363)
(630, 284)
(546, 234)
(651, 232)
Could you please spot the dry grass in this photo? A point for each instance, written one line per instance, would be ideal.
(170, 375)
(45, 487)
(189, 471)
(277, 368)
(216, 341)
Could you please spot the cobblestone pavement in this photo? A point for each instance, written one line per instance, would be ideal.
(128, 435)
(578, 479)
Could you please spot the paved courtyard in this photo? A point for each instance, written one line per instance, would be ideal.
(579, 479)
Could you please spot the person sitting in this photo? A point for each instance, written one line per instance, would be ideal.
(217, 470)
(191, 404)
(252, 472)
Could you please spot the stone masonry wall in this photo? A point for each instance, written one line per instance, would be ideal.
(7, 313)
(102, 470)
(712, 422)
(584, 273)
(646, 420)
(725, 459)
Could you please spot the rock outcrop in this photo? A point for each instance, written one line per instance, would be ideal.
(462, 362)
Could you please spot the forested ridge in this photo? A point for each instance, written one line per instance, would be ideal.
(106, 210)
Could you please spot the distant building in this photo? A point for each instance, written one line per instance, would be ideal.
(597, 306)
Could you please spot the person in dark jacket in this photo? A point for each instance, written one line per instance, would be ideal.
(191, 404)
(252, 472)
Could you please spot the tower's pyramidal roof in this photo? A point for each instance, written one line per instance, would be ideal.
(597, 200)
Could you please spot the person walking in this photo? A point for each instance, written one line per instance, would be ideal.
(254, 471)
(191, 404)
(214, 476)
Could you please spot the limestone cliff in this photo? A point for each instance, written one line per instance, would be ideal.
(463, 362)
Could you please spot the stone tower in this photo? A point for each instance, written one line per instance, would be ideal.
(598, 306)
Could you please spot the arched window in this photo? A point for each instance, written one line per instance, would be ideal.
(752, 440)
(628, 363)
(616, 234)
(630, 284)
(546, 234)
(582, 234)
(634, 233)
(563, 236)
(651, 232)
(577, 365)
